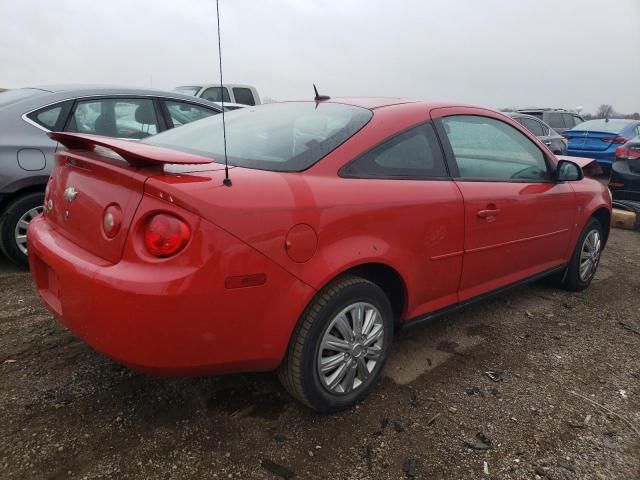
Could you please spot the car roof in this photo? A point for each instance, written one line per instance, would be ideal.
(103, 90)
(58, 93)
(207, 85)
(539, 110)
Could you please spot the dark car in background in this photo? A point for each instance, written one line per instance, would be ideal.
(26, 151)
(600, 138)
(552, 139)
(558, 118)
(625, 172)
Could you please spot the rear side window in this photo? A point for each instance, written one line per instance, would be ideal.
(244, 96)
(533, 126)
(181, 113)
(122, 118)
(569, 120)
(555, 120)
(414, 153)
(488, 149)
(216, 94)
(51, 117)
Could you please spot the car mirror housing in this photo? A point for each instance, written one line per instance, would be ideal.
(568, 171)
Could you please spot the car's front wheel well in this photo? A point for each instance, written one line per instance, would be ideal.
(389, 280)
(604, 217)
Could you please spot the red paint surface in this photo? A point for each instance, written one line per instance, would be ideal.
(204, 310)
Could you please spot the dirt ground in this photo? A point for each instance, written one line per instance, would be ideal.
(564, 403)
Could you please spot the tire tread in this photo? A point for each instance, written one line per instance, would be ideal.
(290, 370)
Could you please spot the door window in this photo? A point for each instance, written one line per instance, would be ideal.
(414, 153)
(488, 149)
(122, 118)
(533, 126)
(244, 96)
(181, 113)
(216, 94)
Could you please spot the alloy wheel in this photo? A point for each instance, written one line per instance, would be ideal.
(590, 255)
(20, 233)
(350, 348)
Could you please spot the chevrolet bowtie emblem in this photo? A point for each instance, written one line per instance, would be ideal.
(70, 194)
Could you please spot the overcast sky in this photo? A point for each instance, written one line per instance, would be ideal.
(494, 53)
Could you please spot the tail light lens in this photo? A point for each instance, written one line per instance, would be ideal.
(165, 235)
(622, 152)
(617, 140)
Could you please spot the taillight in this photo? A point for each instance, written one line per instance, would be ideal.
(618, 140)
(165, 235)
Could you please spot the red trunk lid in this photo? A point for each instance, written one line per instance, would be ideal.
(80, 189)
(100, 173)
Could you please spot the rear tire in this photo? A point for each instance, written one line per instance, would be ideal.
(13, 224)
(585, 258)
(339, 347)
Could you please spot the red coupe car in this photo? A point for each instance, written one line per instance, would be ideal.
(344, 219)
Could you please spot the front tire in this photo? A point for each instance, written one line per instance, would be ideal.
(586, 257)
(338, 348)
(13, 226)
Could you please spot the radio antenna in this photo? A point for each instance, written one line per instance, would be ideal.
(227, 180)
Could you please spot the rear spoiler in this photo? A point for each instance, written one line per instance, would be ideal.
(134, 153)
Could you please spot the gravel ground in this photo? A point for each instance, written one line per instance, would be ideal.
(564, 403)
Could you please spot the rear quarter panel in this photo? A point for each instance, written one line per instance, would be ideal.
(591, 196)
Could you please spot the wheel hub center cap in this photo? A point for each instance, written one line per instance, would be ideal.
(357, 351)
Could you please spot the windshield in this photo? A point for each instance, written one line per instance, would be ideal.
(611, 126)
(187, 90)
(285, 137)
(11, 96)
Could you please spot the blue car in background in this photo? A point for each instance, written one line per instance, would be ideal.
(599, 138)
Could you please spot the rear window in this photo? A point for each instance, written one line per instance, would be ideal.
(12, 96)
(284, 137)
(601, 125)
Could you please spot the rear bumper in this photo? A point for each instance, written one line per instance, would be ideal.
(170, 317)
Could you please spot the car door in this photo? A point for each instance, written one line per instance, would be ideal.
(518, 221)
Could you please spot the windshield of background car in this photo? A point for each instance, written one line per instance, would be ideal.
(611, 126)
(187, 90)
(284, 137)
(11, 96)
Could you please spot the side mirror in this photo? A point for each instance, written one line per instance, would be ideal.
(568, 171)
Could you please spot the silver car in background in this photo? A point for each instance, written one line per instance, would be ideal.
(26, 152)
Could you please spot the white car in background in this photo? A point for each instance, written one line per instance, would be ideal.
(233, 94)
